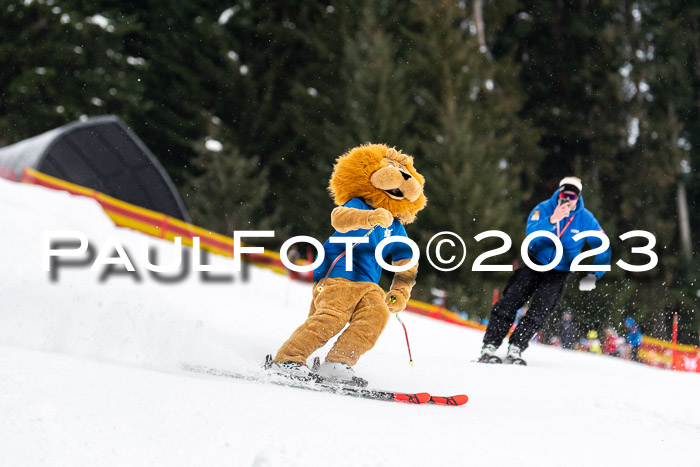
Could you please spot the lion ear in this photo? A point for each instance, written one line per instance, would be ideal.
(397, 156)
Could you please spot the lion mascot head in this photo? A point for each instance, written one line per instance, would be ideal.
(382, 177)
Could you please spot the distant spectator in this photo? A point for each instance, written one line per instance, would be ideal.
(581, 345)
(294, 255)
(634, 338)
(554, 341)
(439, 296)
(520, 313)
(459, 312)
(622, 346)
(610, 342)
(593, 343)
(567, 331)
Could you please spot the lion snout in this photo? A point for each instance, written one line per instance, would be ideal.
(411, 189)
(387, 178)
(396, 183)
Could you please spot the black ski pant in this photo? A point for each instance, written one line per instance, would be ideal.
(635, 353)
(546, 289)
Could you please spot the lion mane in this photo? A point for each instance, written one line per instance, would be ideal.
(382, 177)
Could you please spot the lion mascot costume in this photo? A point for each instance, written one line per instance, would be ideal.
(377, 190)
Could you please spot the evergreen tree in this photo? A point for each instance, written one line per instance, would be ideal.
(61, 63)
(473, 147)
(229, 193)
(289, 51)
(606, 92)
(670, 63)
(358, 93)
(496, 108)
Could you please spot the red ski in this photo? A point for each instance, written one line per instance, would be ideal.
(420, 398)
(460, 399)
(322, 386)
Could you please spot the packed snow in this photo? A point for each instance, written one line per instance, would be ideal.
(91, 374)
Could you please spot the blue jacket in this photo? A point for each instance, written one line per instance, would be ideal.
(364, 268)
(634, 337)
(634, 334)
(580, 219)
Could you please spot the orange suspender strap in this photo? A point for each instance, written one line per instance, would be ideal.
(565, 227)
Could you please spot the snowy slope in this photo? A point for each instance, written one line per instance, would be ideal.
(90, 374)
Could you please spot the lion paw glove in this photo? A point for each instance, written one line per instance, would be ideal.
(345, 219)
(401, 287)
(380, 216)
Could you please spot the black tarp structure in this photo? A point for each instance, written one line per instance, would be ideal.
(99, 153)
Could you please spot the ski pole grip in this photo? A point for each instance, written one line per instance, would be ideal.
(392, 299)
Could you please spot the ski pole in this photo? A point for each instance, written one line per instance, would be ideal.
(369, 232)
(410, 358)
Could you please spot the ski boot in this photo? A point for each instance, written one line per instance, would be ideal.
(339, 373)
(292, 370)
(513, 357)
(488, 354)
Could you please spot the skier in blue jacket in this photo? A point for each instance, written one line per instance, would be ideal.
(634, 338)
(564, 215)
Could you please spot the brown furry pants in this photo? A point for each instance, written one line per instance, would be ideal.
(359, 304)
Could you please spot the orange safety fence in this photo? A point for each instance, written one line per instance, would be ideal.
(656, 352)
(652, 351)
(438, 312)
(8, 174)
(154, 223)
